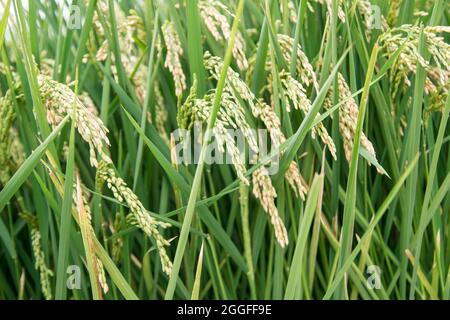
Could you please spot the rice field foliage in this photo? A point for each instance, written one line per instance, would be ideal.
(205, 149)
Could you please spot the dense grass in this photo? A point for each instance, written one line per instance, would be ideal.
(376, 206)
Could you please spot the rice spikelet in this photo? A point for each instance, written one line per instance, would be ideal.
(174, 52)
(409, 58)
(84, 213)
(348, 115)
(59, 99)
(270, 119)
(266, 194)
(237, 87)
(117, 245)
(365, 8)
(6, 118)
(217, 23)
(161, 114)
(231, 115)
(130, 27)
(329, 4)
(12, 153)
(292, 11)
(44, 271)
(305, 71)
(393, 12)
(199, 109)
(142, 219)
(296, 95)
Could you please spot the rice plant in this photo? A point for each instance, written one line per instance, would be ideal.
(235, 149)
